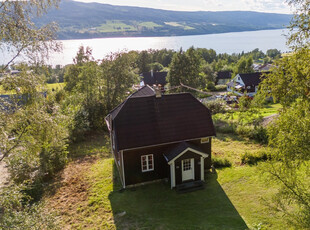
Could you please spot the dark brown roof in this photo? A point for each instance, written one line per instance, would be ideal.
(179, 149)
(223, 75)
(157, 78)
(143, 92)
(251, 78)
(145, 121)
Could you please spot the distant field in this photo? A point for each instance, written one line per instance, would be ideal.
(115, 26)
(176, 24)
(54, 86)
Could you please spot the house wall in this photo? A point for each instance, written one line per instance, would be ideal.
(132, 165)
(132, 162)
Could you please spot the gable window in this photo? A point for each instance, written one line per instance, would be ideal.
(204, 140)
(147, 163)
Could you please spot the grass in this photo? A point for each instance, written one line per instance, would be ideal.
(54, 86)
(233, 147)
(268, 110)
(234, 198)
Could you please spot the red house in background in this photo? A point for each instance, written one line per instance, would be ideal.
(157, 136)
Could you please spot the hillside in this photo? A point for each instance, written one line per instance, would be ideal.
(95, 20)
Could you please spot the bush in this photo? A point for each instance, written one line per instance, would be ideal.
(17, 212)
(220, 87)
(211, 86)
(257, 133)
(221, 162)
(216, 106)
(253, 158)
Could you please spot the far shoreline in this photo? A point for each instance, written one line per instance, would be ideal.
(163, 36)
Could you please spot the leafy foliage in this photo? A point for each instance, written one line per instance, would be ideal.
(100, 86)
(185, 68)
(20, 36)
(16, 212)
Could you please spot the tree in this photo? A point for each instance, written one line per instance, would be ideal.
(185, 68)
(100, 86)
(144, 61)
(244, 65)
(289, 83)
(20, 36)
(273, 53)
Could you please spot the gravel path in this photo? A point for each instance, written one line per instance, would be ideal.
(3, 174)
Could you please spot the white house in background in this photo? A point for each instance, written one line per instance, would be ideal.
(245, 83)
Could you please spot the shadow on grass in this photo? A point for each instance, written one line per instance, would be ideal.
(156, 206)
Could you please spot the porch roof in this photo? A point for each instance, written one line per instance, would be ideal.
(179, 149)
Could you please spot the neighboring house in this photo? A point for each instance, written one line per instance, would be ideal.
(157, 136)
(155, 78)
(262, 68)
(245, 83)
(223, 77)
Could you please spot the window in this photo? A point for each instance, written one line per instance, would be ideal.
(186, 164)
(204, 140)
(147, 163)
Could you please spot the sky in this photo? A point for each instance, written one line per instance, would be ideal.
(271, 6)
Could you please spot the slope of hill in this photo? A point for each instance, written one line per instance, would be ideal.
(93, 20)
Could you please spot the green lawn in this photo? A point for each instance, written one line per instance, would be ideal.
(55, 86)
(233, 198)
(232, 147)
(268, 110)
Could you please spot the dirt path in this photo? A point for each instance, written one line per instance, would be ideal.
(3, 174)
(70, 191)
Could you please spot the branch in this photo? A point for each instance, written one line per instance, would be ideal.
(18, 53)
(3, 3)
(291, 189)
(16, 144)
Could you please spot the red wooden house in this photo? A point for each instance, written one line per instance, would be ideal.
(158, 136)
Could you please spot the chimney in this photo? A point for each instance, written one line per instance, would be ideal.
(152, 74)
(157, 91)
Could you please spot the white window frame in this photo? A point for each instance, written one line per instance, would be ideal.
(148, 168)
(204, 140)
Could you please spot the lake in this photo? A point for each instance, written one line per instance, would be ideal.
(222, 43)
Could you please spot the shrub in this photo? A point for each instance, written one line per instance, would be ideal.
(220, 87)
(253, 158)
(221, 162)
(216, 106)
(211, 86)
(17, 212)
(257, 133)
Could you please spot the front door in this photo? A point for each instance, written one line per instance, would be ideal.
(188, 169)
